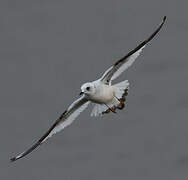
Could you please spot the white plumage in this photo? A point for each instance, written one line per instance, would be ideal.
(106, 97)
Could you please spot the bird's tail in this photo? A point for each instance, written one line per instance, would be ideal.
(118, 102)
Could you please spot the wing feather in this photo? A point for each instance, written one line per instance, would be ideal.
(63, 121)
(121, 65)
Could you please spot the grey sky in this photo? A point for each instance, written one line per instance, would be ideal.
(44, 48)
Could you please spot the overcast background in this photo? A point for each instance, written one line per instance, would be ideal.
(48, 49)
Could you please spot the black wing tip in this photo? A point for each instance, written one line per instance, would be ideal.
(13, 159)
(164, 18)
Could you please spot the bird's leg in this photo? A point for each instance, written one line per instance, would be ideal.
(121, 103)
(120, 100)
(117, 99)
(110, 108)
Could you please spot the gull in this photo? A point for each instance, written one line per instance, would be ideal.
(105, 96)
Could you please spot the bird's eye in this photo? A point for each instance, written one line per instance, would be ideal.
(87, 88)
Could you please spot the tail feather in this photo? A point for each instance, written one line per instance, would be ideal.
(120, 89)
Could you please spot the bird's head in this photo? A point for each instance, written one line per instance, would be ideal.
(87, 89)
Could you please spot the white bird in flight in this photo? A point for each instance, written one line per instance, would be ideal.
(105, 96)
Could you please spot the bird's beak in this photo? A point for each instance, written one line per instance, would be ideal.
(81, 93)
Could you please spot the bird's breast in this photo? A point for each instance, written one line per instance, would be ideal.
(104, 94)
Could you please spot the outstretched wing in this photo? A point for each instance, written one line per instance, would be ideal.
(64, 120)
(121, 65)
